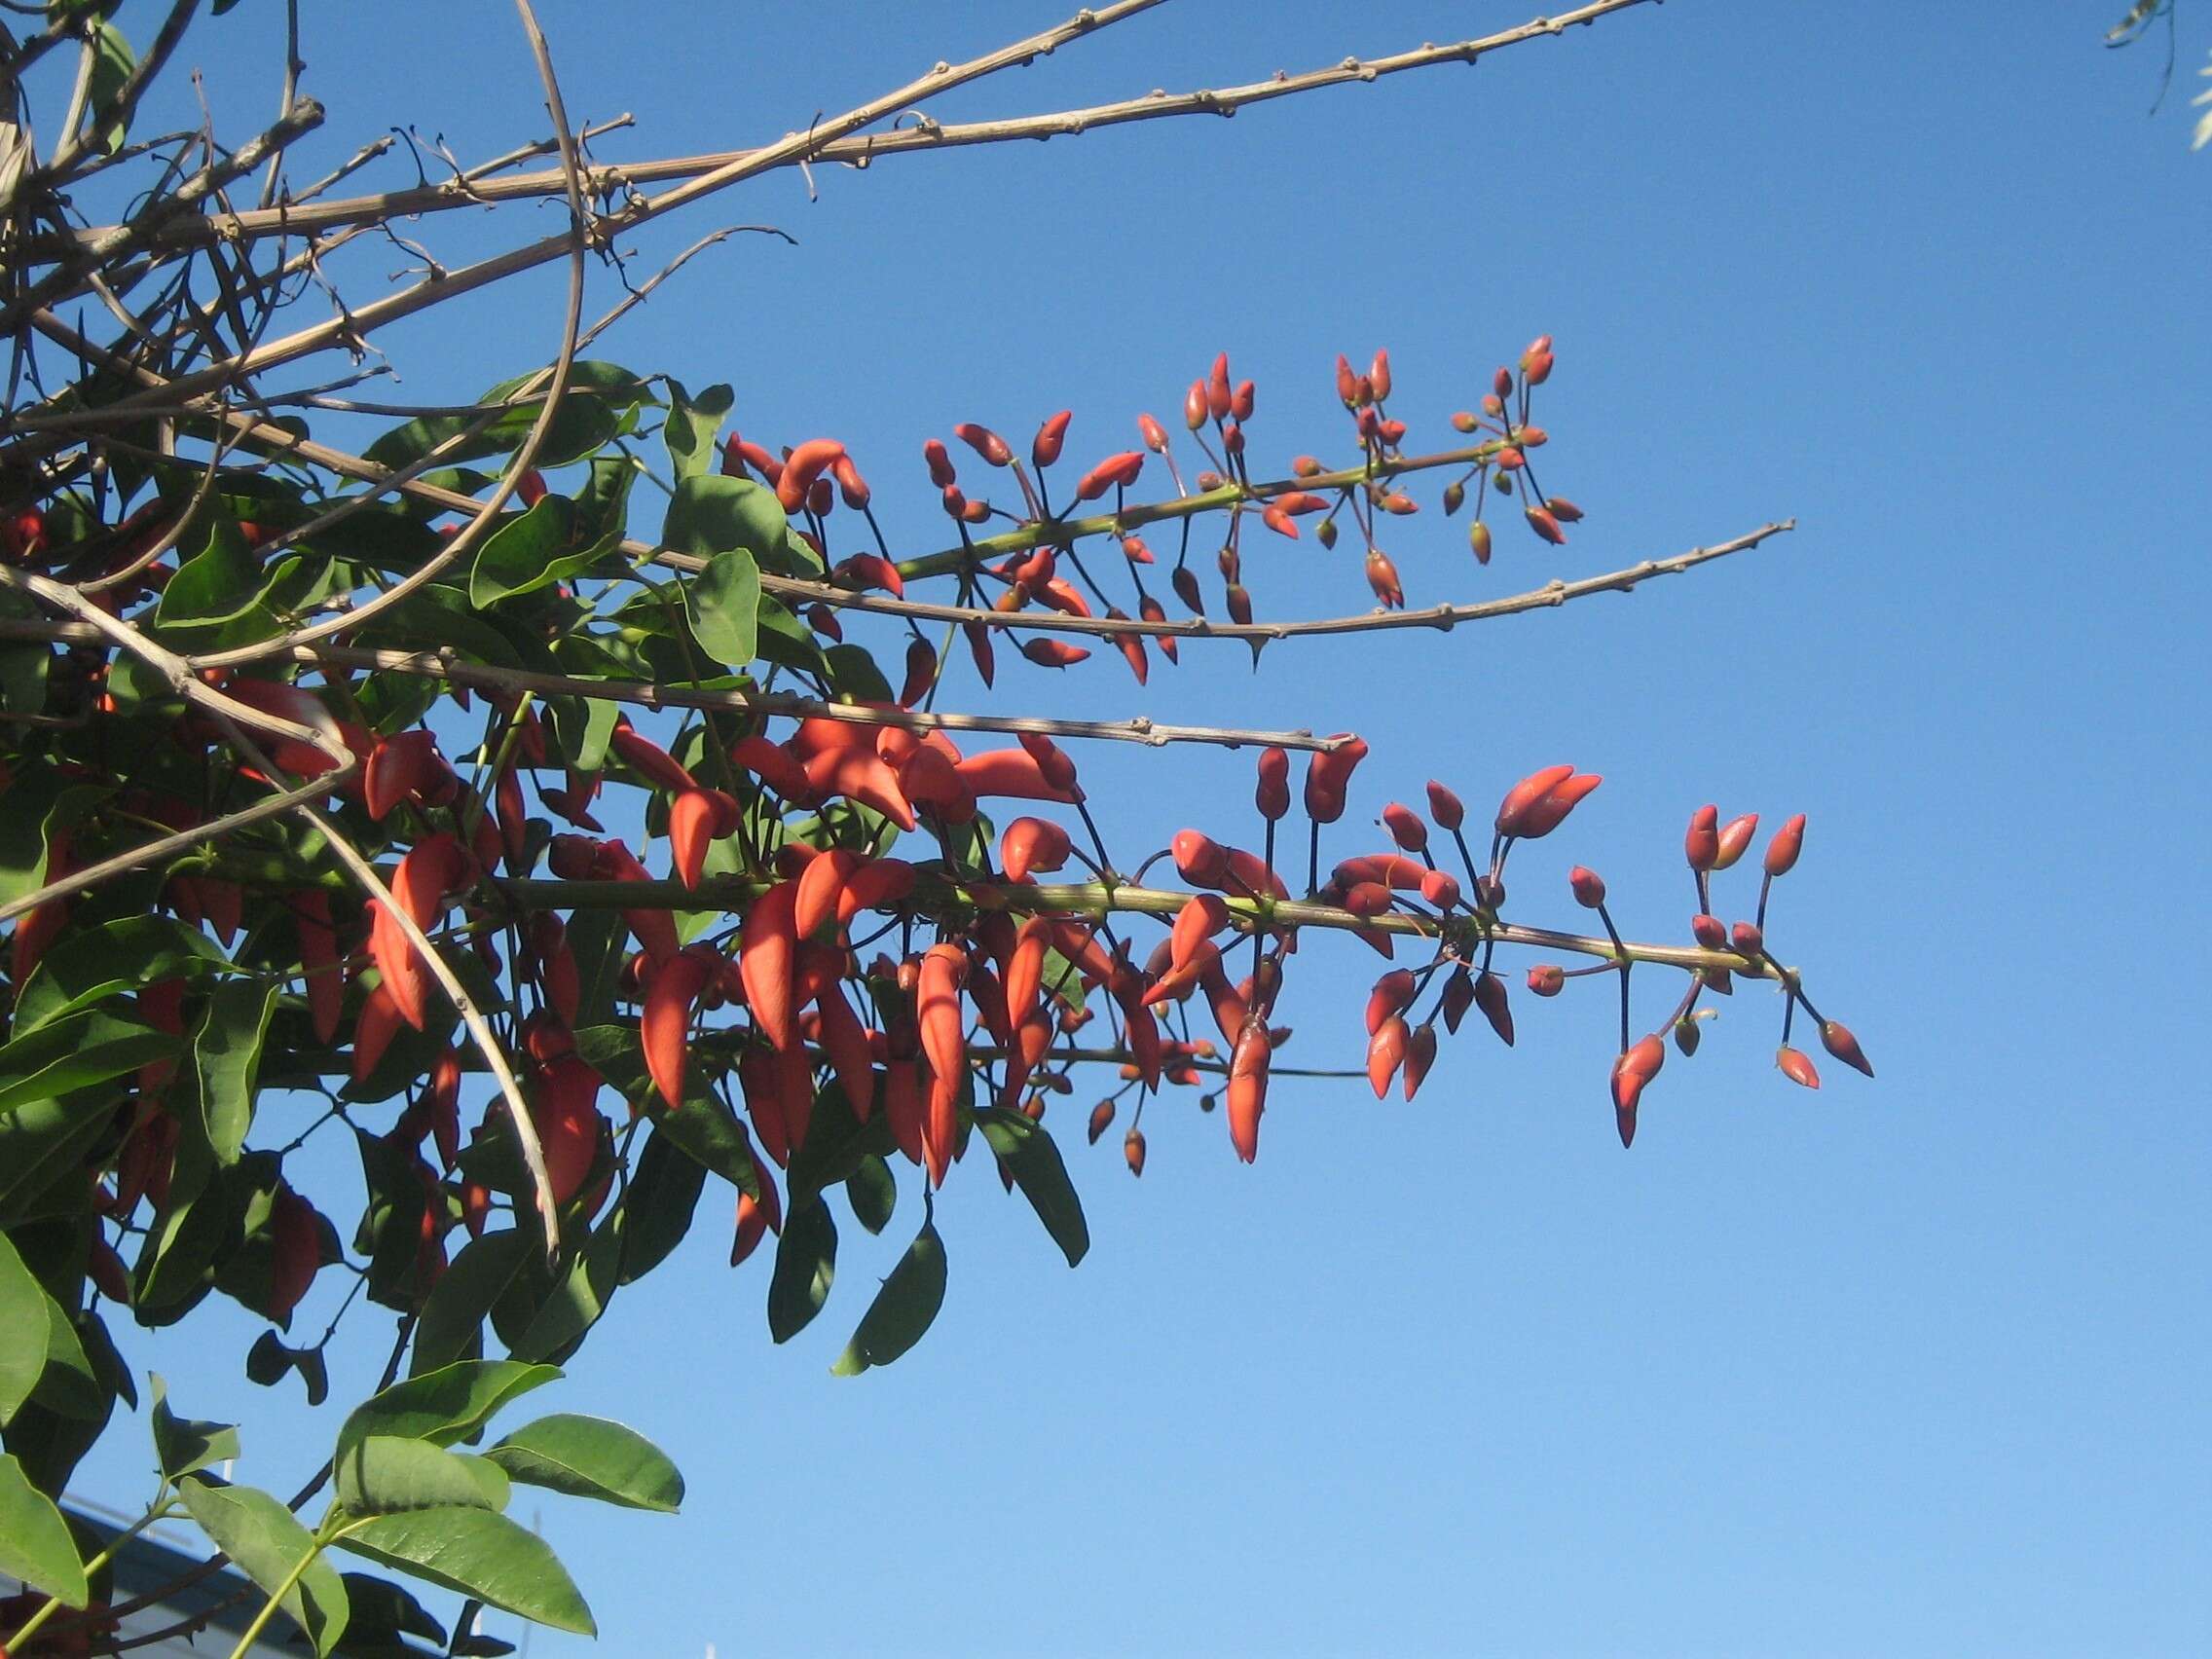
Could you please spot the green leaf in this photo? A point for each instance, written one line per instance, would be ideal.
(226, 1052)
(42, 1144)
(219, 585)
(75, 1052)
(806, 1261)
(872, 1193)
(267, 1544)
(445, 1405)
(382, 1614)
(477, 1553)
(1041, 1176)
(658, 1205)
(94, 964)
(692, 424)
(588, 1456)
(532, 551)
(599, 395)
(22, 678)
(112, 63)
(69, 1387)
(35, 1545)
(40, 807)
(903, 1308)
(22, 1331)
(386, 1474)
(454, 1315)
(835, 1142)
(580, 1295)
(183, 1444)
(725, 603)
(703, 1126)
(710, 514)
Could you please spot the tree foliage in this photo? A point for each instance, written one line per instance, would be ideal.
(559, 799)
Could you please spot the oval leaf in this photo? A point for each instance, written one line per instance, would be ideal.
(182, 1444)
(588, 1456)
(384, 1474)
(267, 1544)
(903, 1309)
(22, 1331)
(35, 1545)
(476, 1552)
(1041, 1176)
(724, 602)
(806, 1261)
(445, 1405)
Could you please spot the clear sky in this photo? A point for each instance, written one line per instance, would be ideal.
(1909, 1367)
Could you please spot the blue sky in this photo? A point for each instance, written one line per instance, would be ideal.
(1912, 1366)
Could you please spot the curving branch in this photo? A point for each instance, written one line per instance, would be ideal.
(863, 150)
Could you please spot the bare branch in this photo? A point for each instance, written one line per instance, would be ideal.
(925, 135)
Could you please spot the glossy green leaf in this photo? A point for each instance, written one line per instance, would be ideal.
(445, 1405)
(903, 1309)
(710, 514)
(266, 1543)
(42, 1144)
(71, 1385)
(532, 551)
(806, 1261)
(703, 1126)
(658, 1204)
(463, 1295)
(692, 425)
(872, 1192)
(76, 1051)
(226, 1053)
(22, 1331)
(580, 1295)
(183, 1444)
(588, 1456)
(218, 586)
(386, 1474)
(35, 1545)
(476, 1552)
(725, 603)
(1041, 1174)
(91, 965)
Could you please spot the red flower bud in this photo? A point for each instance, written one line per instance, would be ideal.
(1421, 1055)
(1101, 1116)
(942, 473)
(1133, 1150)
(1701, 845)
(1378, 376)
(1444, 807)
(984, 442)
(1272, 795)
(1746, 940)
(1547, 979)
(1837, 1040)
(1710, 932)
(1544, 525)
(1735, 836)
(1385, 1053)
(1589, 889)
(1045, 448)
(1789, 841)
(1478, 539)
(1796, 1067)
(1155, 437)
(1382, 577)
(1406, 827)
(1054, 653)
